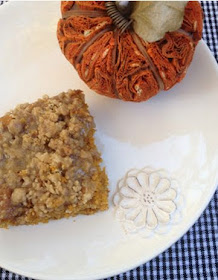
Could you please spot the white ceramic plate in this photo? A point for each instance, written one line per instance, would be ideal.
(175, 131)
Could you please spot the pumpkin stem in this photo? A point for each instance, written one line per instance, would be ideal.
(125, 8)
(119, 12)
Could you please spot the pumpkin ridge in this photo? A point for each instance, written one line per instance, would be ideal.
(76, 10)
(90, 55)
(86, 45)
(185, 59)
(153, 68)
(193, 20)
(87, 13)
(114, 59)
(131, 61)
(172, 55)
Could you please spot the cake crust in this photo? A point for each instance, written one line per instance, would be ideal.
(49, 163)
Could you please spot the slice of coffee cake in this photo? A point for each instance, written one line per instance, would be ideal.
(49, 164)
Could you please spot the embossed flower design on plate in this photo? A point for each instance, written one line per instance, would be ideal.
(147, 201)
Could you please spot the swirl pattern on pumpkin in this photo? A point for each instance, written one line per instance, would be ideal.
(121, 64)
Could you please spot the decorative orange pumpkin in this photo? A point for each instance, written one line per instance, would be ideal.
(99, 40)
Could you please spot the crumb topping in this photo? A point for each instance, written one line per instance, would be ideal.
(48, 159)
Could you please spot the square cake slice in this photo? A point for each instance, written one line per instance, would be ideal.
(49, 163)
